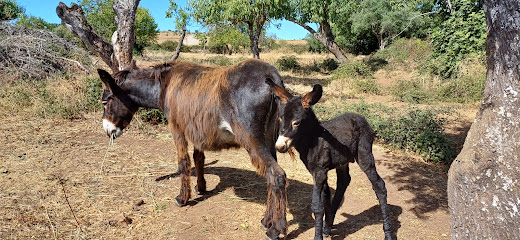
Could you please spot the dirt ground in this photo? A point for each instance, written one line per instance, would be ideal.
(58, 180)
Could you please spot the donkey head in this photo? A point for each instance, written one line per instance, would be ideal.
(296, 117)
(118, 108)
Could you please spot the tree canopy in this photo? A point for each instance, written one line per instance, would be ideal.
(10, 10)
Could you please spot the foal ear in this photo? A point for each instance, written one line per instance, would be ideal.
(312, 97)
(283, 94)
(107, 79)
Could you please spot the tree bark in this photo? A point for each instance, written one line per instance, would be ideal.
(74, 20)
(254, 37)
(483, 181)
(123, 38)
(179, 45)
(326, 37)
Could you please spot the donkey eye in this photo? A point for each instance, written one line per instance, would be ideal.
(104, 102)
(296, 123)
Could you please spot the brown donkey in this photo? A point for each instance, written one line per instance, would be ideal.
(214, 108)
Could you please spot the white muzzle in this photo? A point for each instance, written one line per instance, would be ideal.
(283, 144)
(111, 129)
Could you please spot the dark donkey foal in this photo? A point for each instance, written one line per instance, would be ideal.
(328, 145)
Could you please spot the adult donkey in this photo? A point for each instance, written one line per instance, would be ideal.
(212, 107)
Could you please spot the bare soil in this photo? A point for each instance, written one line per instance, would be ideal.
(58, 180)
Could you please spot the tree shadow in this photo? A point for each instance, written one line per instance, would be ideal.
(250, 186)
(427, 183)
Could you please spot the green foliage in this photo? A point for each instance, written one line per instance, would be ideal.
(315, 46)
(227, 39)
(10, 10)
(100, 15)
(461, 33)
(151, 115)
(329, 64)
(352, 69)
(365, 85)
(407, 51)
(469, 84)
(382, 20)
(35, 22)
(411, 91)
(375, 63)
(286, 63)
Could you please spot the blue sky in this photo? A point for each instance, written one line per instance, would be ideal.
(46, 9)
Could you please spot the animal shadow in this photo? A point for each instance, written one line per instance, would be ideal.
(250, 186)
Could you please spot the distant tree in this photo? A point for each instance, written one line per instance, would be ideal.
(182, 18)
(382, 20)
(227, 39)
(202, 37)
(326, 14)
(10, 10)
(35, 22)
(254, 14)
(314, 45)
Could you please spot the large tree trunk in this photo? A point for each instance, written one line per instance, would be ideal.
(483, 181)
(123, 38)
(74, 20)
(117, 56)
(326, 37)
(179, 45)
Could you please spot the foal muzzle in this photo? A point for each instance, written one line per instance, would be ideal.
(283, 144)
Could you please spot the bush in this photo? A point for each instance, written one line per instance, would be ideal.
(421, 131)
(411, 91)
(365, 85)
(219, 60)
(286, 63)
(352, 69)
(150, 115)
(329, 64)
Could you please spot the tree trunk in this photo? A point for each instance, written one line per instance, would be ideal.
(179, 45)
(74, 20)
(123, 38)
(483, 185)
(117, 56)
(254, 37)
(326, 37)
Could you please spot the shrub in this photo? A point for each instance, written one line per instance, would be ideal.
(421, 131)
(365, 85)
(285, 63)
(411, 91)
(329, 64)
(352, 69)
(150, 115)
(219, 60)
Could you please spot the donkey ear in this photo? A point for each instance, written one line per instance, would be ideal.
(312, 97)
(107, 79)
(283, 94)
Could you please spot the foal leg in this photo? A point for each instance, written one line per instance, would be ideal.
(184, 162)
(318, 202)
(367, 164)
(198, 158)
(343, 180)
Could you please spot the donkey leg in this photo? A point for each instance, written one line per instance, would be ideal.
(367, 164)
(326, 196)
(198, 158)
(184, 167)
(343, 180)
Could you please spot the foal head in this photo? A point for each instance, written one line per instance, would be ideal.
(118, 108)
(296, 117)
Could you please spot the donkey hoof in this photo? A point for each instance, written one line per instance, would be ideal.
(326, 232)
(179, 202)
(272, 234)
(200, 191)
